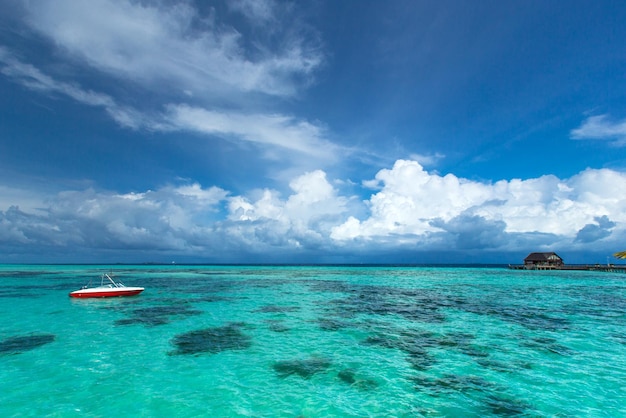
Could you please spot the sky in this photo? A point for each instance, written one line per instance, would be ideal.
(322, 131)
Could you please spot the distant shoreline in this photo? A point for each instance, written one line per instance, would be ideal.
(571, 267)
(485, 265)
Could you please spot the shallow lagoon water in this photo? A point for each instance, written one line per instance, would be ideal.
(313, 341)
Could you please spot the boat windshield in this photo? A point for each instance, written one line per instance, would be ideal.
(107, 281)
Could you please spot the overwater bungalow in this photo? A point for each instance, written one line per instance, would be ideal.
(541, 261)
(552, 261)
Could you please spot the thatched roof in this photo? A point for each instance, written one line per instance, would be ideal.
(543, 257)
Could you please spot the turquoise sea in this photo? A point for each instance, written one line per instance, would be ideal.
(313, 341)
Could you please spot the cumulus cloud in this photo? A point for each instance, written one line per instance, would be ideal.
(149, 220)
(303, 219)
(410, 198)
(473, 232)
(600, 127)
(187, 219)
(410, 209)
(170, 218)
(595, 231)
(413, 202)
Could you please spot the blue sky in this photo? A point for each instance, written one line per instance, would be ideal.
(312, 132)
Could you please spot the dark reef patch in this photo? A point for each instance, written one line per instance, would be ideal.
(14, 294)
(214, 298)
(17, 345)
(610, 303)
(494, 401)
(453, 383)
(330, 324)
(498, 366)
(418, 344)
(267, 282)
(534, 318)
(347, 376)
(506, 407)
(352, 378)
(304, 368)
(277, 326)
(203, 286)
(414, 343)
(194, 282)
(211, 340)
(157, 315)
(473, 351)
(547, 344)
(277, 309)
(463, 383)
(22, 274)
(331, 286)
(620, 338)
(428, 305)
(418, 305)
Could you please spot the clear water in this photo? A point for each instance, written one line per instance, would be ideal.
(237, 341)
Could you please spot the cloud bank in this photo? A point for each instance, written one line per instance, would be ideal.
(409, 210)
(229, 72)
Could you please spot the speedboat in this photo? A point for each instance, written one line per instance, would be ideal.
(108, 288)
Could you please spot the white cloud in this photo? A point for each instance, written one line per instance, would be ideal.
(211, 196)
(427, 160)
(410, 198)
(304, 218)
(172, 218)
(260, 12)
(32, 78)
(284, 132)
(411, 210)
(157, 42)
(412, 202)
(600, 127)
(202, 74)
(186, 219)
(314, 201)
(271, 129)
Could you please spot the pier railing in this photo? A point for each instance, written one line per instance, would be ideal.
(611, 268)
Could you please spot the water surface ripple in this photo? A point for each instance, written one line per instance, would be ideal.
(313, 341)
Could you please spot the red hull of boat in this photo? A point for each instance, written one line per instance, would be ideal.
(105, 294)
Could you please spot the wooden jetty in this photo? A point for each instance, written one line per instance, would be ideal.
(609, 268)
(552, 261)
